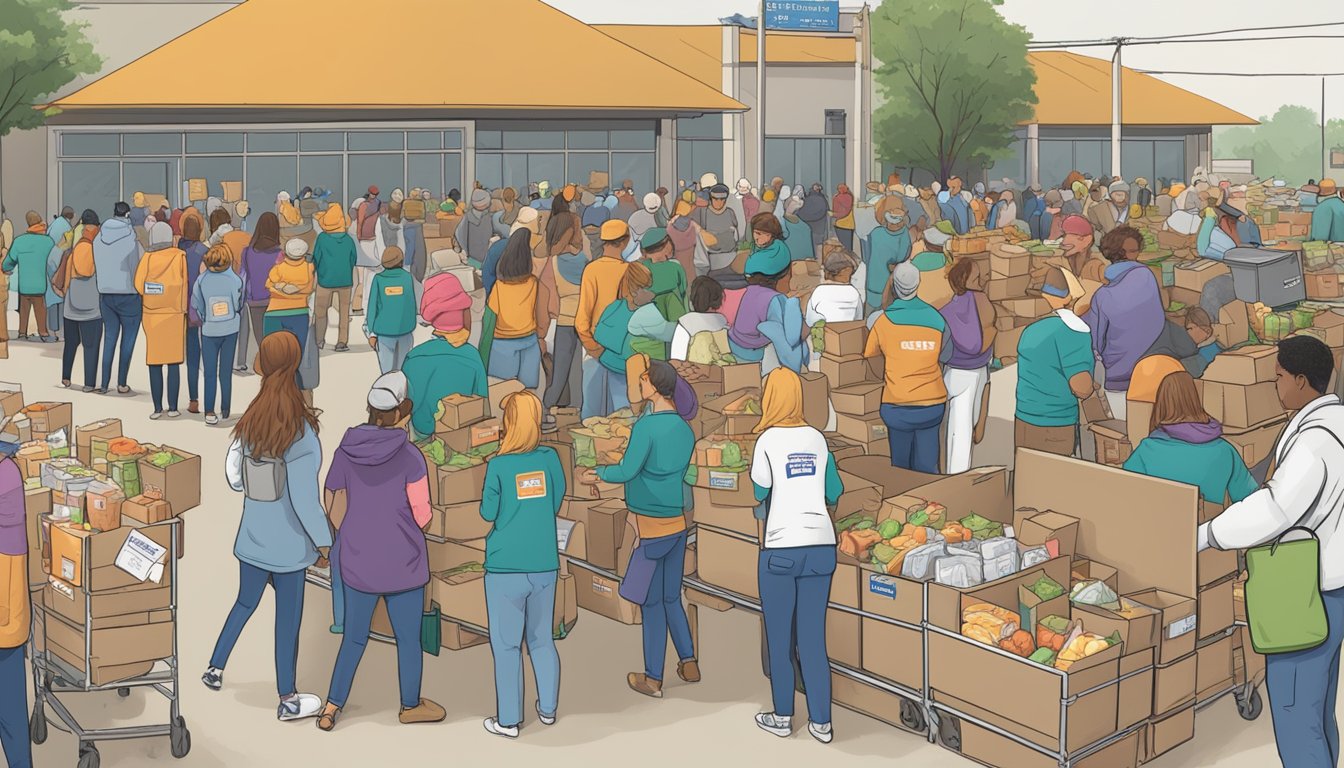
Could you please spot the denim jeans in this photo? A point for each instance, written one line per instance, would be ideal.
(404, 610)
(337, 584)
(603, 390)
(516, 359)
(89, 335)
(1303, 687)
(662, 609)
(217, 355)
(295, 324)
(121, 325)
(566, 379)
(193, 362)
(795, 587)
(156, 385)
(288, 588)
(392, 351)
(521, 608)
(912, 431)
(14, 708)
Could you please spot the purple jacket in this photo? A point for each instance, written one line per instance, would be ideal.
(1126, 317)
(13, 535)
(256, 271)
(968, 337)
(751, 313)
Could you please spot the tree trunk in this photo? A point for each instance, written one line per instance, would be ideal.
(2, 182)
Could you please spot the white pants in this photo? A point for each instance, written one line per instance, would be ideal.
(1117, 402)
(965, 390)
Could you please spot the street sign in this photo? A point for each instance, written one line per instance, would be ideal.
(803, 15)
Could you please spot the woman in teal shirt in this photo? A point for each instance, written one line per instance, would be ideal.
(524, 486)
(653, 471)
(446, 364)
(1187, 446)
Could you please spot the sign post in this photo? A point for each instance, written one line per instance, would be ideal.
(790, 16)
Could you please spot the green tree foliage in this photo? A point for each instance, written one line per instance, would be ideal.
(1285, 146)
(955, 82)
(40, 51)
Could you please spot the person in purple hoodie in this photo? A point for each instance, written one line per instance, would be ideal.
(1126, 315)
(380, 549)
(970, 320)
(258, 258)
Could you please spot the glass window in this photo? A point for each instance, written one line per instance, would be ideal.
(375, 140)
(151, 143)
(1168, 160)
(489, 170)
(268, 176)
(546, 167)
(326, 171)
(153, 177)
(633, 139)
(1056, 160)
(215, 170)
(530, 139)
(387, 172)
(515, 171)
(490, 139)
(314, 141)
(696, 158)
(424, 171)
(1089, 157)
(452, 139)
(582, 164)
(92, 185)
(587, 139)
(272, 142)
(807, 168)
(1136, 158)
(424, 140)
(703, 127)
(214, 143)
(638, 167)
(90, 144)
(452, 174)
(835, 171)
(779, 159)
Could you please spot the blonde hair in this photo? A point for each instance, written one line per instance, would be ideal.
(782, 401)
(521, 423)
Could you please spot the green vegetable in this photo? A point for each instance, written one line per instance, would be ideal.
(884, 553)
(889, 528)
(918, 519)
(865, 524)
(164, 459)
(435, 451)
(465, 568)
(974, 522)
(1043, 656)
(1114, 639)
(459, 461)
(845, 523)
(1057, 624)
(1046, 588)
(732, 454)
(486, 449)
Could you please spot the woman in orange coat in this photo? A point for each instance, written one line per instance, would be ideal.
(161, 280)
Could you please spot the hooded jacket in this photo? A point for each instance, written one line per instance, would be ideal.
(436, 369)
(116, 256)
(29, 254)
(283, 536)
(81, 285)
(334, 258)
(1195, 454)
(1126, 317)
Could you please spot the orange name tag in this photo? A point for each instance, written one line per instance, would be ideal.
(219, 309)
(531, 485)
(393, 290)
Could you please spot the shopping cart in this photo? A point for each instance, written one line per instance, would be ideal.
(54, 677)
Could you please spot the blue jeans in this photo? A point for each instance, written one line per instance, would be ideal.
(603, 390)
(392, 351)
(89, 335)
(663, 612)
(337, 584)
(14, 708)
(295, 324)
(795, 587)
(217, 354)
(121, 320)
(521, 608)
(516, 359)
(193, 362)
(912, 431)
(288, 588)
(156, 385)
(404, 610)
(1302, 689)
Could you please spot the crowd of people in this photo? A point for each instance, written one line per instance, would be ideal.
(588, 297)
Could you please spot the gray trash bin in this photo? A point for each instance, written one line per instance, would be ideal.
(1271, 277)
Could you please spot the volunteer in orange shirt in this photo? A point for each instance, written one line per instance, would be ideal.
(601, 280)
(913, 342)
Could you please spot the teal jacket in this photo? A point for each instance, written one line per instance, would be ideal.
(797, 238)
(391, 310)
(334, 260)
(886, 249)
(1214, 466)
(437, 369)
(613, 333)
(654, 466)
(1327, 221)
(29, 253)
(522, 496)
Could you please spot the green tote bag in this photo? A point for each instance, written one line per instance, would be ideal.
(1283, 595)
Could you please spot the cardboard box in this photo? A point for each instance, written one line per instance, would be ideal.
(460, 411)
(844, 638)
(1233, 324)
(36, 504)
(845, 585)
(729, 489)
(1083, 569)
(604, 525)
(454, 637)
(483, 432)
(728, 518)
(72, 602)
(728, 561)
(179, 483)
(103, 503)
(11, 399)
(1332, 325)
(1050, 526)
(1245, 365)
(1136, 688)
(860, 495)
(895, 653)
(1216, 609)
(1257, 443)
(1005, 288)
(47, 418)
(844, 339)
(105, 429)
(1005, 343)
(1214, 673)
(601, 595)
(857, 399)
(1163, 735)
(1184, 296)
(726, 416)
(461, 596)
(120, 647)
(1137, 624)
(145, 510)
(1111, 439)
(1177, 628)
(1174, 684)
(1215, 565)
(844, 371)
(1028, 309)
(1323, 285)
(77, 555)
(449, 485)
(989, 748)
(816, 399)
(869, 431)
(1007, 260)
(459, 522)
(1240, 406)
(1194, 275)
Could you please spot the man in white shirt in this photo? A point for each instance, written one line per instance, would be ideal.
(1306, 490)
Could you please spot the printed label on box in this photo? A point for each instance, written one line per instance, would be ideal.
(1183, 627)
(602, 587)
(141, 557)
(63, 589)
(882, 586)
(726, 481)
(67, 569)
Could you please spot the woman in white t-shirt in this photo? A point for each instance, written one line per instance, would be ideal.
(706, 297)
(795, 479)
(836, 300)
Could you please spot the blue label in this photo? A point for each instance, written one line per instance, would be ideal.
(882, 586)
(820, 15)
(723, 480)
(800, 465)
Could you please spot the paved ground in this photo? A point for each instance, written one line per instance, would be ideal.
(601, 721)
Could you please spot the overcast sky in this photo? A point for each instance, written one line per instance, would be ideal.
(1091, 19)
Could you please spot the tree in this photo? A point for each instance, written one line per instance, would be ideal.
(1285, 146)
(40, 51)
(956, 82)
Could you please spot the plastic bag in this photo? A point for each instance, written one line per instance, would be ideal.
(961, 571)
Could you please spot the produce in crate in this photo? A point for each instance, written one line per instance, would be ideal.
(988, 624)
(982, 528)
(930, 514)
(164, 459)
(1019, 643)
(1046, 588)
(1095, 593)
(1052, 632)
(1081, 646)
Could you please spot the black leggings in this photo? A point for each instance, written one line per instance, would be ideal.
(86, 333)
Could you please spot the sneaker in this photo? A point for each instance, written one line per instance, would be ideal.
(211, 418)
(298, 706)
(642, 683)
(213, 678)
(492, 725)
(173, 414)
(65, 383)
(543, 717)
(240, 368)
(88, 390)
(822, 733)
(689, 670)
(342, 347)
(155, 416)
(772, 723)
(123, 390)
(425, 712)
(194, 406)
(100, 391)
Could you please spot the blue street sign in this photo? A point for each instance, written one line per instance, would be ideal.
(810, 15)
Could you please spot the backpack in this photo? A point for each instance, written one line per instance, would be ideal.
(58, 279)
(371, 211)
(264, 477)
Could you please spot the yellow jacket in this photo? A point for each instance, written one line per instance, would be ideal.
(299, 273)
(15, 609)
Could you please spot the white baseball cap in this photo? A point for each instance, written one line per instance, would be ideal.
(389, 391)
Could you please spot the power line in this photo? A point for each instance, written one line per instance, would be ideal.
(1174, 37)
(1238, 74)
(1056, 45)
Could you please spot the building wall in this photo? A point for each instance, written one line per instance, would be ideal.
(797, 97)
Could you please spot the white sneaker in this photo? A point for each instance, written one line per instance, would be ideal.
(299, 707)
(211, 419)
(213, 678)
(155, 416)
(822, 733)
(174, 414)
(492, 725)
(772, 723)
(544, 718)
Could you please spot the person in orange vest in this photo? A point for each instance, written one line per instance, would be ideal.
(161, 281)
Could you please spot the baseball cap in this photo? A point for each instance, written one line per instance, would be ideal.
(719, 190)
(653, 238)
(614, 229)
(389, 391)
(1076, 225)
(373, 190)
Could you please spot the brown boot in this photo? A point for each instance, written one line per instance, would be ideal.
(689, 670)
(642, 683)
(425, 712)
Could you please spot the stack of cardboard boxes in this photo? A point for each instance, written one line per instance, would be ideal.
(1238, 390)
(855, 394)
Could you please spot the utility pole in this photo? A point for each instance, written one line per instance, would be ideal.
(1325, 151)
(760, 95)
(859, 120)
(1116, 107)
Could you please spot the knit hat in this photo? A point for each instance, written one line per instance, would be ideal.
(295, 248)
(373, 190)
(480, 199)
(1118, 186)
(905, 279)
(443, 302)
(614, 229)
(160, 234)
(652, 239)
(708, 180)
(333, 219)
(393, 257)
(652, 202)
(528, 218)
(1076, 225)
(1327, 187)
(389, 391)
(719, 191)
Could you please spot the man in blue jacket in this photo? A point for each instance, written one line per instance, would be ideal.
(116, 256)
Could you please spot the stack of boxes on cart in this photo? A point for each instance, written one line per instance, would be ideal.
(103, 518)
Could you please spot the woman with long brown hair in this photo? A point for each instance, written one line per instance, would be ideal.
(258, 258)
(274, 461)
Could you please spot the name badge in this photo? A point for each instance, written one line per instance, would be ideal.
(531, 485)
(393, 290)
(219, 309)
(153, 289)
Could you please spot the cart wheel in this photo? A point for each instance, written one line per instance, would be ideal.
(1250, 707)
(88, 755)
(123, 693)
(180, 738)
(37, 725)
(912, 716)
(949, 733)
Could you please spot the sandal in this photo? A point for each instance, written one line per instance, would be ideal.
(327, 720)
